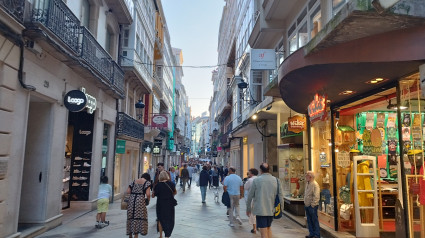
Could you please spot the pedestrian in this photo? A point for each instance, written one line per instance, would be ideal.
(220, 173)
(234, 186)
(311, 203)
(210, 176)
(203, 182)
(103, 196)
(252, 174)
(137, 213)
(173, 174)
(165, 191)
(177, 173)
(151, 172)
(184, 176)
(180, 175)
(159, 169)
(190, 169)
(262, 196)
(214, 175)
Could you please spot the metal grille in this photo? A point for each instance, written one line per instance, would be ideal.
(128, 126)
(14, 8)
(118, 78)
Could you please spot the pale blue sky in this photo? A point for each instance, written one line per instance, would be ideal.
(193, 27)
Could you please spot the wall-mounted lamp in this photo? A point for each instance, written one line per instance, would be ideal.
(139, 106)
(244, 85)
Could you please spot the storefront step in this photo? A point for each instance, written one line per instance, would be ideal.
(324, 230)
(32, 231)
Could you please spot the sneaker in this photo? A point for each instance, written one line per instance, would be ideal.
(86, 159)
(82, 178)
(86, 184)
(85, 172)
(78, 158)
(75, 178)
(77, 165)
(97, 225)
(238, 219)
(75, 184)
(76, 171)
(231, 225)
(86, 164)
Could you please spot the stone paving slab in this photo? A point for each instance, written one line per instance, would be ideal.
(193, 220)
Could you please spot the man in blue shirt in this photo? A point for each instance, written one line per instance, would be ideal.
(234, 186)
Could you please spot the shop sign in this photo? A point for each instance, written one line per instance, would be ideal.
(120, 147)
(343, 159)
(156, 150)
(75, 101)
(219, 148)
(317, 108)
(263, 59)
(160, 120)
(296, 124)
(91, 102)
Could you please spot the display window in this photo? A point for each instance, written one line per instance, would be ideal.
(321, 164)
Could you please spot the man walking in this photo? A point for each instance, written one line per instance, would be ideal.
(311, 202)
(234, 186)
(203, 182)
(151, 172)
(184, 176)
(263, 193)
(190, 169)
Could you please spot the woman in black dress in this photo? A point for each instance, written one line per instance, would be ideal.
(165, 191)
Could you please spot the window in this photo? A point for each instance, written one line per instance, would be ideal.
(293, 44)
(302, 35)
(337, 5)
(109, 42)
(126, 37)
(85, 14)
(315, 22)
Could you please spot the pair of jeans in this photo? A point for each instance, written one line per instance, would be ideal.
(203, 192)
(234, 206)
(190, 181)
(312, 221)
(184, 183)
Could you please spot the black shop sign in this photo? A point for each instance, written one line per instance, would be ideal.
(75, 100)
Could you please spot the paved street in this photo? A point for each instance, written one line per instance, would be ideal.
(193, 219)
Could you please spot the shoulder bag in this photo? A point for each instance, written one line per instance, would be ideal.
(277, 205)
(124, 199)
(172, 193)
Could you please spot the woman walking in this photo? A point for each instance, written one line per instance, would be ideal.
(137, 214)
(165, 191)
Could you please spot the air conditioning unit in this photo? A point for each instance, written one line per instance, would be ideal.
(34, 47)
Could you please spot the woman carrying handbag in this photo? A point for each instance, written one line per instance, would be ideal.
(137, 213)
(165, 203)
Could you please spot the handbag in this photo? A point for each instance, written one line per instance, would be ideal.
(124, 201)
(174, 202)
(277, 206)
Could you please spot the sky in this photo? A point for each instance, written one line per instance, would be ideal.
(193, 26)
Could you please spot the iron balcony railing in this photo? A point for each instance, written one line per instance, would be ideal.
(59, 20)
(15, 8)
(130, 127)
(94, 54)
(118, 78)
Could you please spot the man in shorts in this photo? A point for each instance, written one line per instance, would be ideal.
(263, 193)
(105, 193)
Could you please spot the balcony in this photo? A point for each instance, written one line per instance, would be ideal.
(53, 25)
(157, 85)
(123, 10)
(15, 8)
(130, 128)
(135, 69)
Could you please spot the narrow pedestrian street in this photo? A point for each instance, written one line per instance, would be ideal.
(193, 219)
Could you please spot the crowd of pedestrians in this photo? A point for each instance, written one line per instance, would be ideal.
(259, 191)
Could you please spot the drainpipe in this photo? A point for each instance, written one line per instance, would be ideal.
(114, 150)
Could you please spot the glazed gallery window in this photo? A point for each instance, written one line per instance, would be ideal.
(315, 22)
(337, 5)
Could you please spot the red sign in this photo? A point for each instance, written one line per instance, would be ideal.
(160, 120)
(317, 108)
(296, 124)
(219, 148)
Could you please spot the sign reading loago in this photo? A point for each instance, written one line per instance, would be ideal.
(317, 108)
(297, 124)
(77, 100)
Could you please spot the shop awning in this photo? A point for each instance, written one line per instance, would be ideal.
(348, 66)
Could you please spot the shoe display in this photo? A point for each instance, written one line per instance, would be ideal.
(84, 184)
(75, 184)
(76, 171)
(82, 178)
(78, 158)
(86, 164)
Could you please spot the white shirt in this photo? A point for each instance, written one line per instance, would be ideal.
(248, 185)
(151, 173)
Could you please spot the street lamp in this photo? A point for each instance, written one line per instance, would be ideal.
(139, 106)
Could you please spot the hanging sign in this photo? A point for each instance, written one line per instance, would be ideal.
(296, 124)
(75, 101)
(160, 120)
(317, 108)
(156, 150)
(120, 147)
(91, 102)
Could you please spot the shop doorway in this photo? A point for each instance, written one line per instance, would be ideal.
(78, 157)
(36, 164)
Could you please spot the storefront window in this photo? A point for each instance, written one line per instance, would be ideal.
(321, 161)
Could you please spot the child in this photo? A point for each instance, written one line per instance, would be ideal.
(105, 192)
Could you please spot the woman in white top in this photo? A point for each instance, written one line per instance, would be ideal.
(252, 174)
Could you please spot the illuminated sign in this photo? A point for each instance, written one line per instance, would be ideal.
(296, 124)
(317, 108)
(156, 150)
